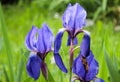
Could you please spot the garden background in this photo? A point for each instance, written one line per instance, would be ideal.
(18, 16)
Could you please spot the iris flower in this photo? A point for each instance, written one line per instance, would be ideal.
(39, 42)
(73, 21)
(85, 66)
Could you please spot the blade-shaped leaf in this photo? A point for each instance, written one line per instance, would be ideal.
(7, 44)
(20, 70)
(50, 77)
(115, 63)
(28, 80)
(6, 74)
(115, 77)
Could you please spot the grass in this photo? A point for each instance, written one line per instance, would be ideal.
(19, 20)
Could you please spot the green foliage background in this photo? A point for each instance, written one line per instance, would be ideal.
(17, 19)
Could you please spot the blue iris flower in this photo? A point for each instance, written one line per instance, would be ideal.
(39, 42)
(85, 66)
(73, 20)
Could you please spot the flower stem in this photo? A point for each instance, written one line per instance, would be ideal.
(71, 58)
(46, 80)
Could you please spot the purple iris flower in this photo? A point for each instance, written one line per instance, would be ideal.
(73, 20)
(85, 66)
(39, 42)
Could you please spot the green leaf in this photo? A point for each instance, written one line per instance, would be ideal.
(20, 70)
(50, 77)
(115, 77)
(6, 74)
(28, 80)
(115, 62)
(104, 5)
(7, 44)
(98, 11)
(1, 42)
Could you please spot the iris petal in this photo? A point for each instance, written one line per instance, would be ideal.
(69, 41)
(59, 62)
(80, 18)
(74, 17)
(33, 66)
(93, 68)
(66, 16)
(58, 40)
(98, 80)
(57, 45)
(47, 36)
(40, 42)
(31, 39)
(85, 45)
(78, 67)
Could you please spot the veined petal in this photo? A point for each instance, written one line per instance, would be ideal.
(33, 66)
(69, 17)
(58, 40)
(81, 14)
(47, 37)
(93, 67)
(74, 17)
(98, 80)
(66, 16)
(57, 45)
(78, 67)
(59, 62)
(85, 45)
(31, 39)
(40, 42)
(69, 41)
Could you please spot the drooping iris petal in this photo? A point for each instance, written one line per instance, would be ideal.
(59, 62)
(33, 66)
(93, 67)
(47, 37)
(58, 40)
(31, 40)
(78, 67)
(74, 17)
(69, 41)
(85, 45)
(57, 45)
(98, 80)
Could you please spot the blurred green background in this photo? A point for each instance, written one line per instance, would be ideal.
(18, 16)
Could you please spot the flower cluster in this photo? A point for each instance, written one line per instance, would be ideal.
(39, 42)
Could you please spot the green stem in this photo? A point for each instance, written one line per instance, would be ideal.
(71, 58)
(46, 80)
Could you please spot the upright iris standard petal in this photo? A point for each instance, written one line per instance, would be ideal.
(74, 17)
(57, 45)
(80, 19)
(47, 37)
(31, 39)
(85, 45)
(66, 16)
(33, 66)
(93, 67)
(69, 41)
(40, 43)
(78, 67)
